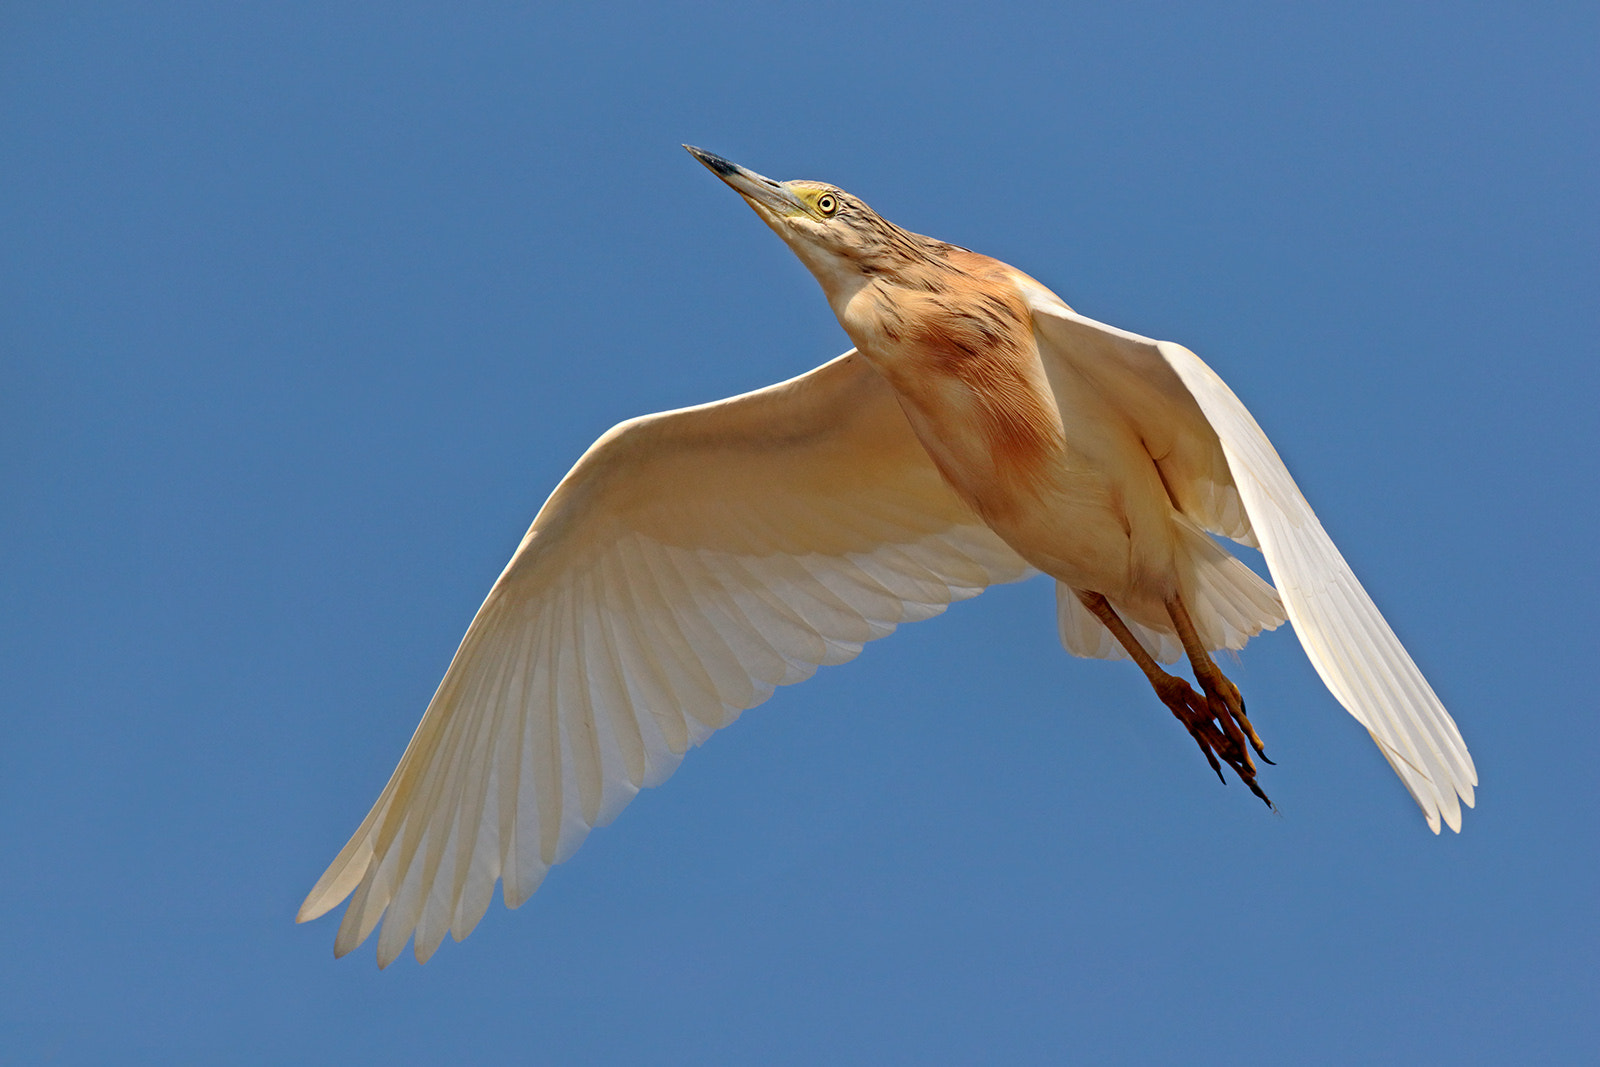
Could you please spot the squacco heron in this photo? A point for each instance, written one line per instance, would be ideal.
(691, 561)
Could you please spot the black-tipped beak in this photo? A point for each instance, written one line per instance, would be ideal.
(719, 166)
(762, 193)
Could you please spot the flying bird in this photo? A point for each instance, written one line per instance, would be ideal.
(980, 431)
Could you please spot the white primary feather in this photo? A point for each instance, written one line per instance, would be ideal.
(689, 563)
(1177, 397)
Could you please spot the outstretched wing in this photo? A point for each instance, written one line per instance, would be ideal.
(689, 563)
(1359, 657)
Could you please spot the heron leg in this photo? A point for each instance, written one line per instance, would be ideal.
(1210, 731)
(1227, 706)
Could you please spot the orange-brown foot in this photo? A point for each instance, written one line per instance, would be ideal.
(1216, 728)
(1227, 707)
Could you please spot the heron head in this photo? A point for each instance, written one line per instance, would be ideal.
(836, 235)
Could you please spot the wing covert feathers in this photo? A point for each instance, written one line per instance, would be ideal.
(690, 563)
(1347, 640)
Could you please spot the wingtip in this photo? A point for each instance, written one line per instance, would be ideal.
(387, 954)
(315, 906)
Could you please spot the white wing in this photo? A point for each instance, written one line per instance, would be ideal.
(689, 563)
(1358, 656)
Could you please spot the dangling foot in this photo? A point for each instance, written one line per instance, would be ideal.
(1210, 721)
(1222, 695)
(1221, 691)
(1216, 733)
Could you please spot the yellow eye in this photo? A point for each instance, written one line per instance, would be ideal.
(827, 203)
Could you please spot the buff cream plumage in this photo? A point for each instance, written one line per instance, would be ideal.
(981, 431)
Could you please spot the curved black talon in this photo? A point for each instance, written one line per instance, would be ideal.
(1257, 791)
(1207, 752)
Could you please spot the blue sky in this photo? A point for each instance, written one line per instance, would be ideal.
(305, 308)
